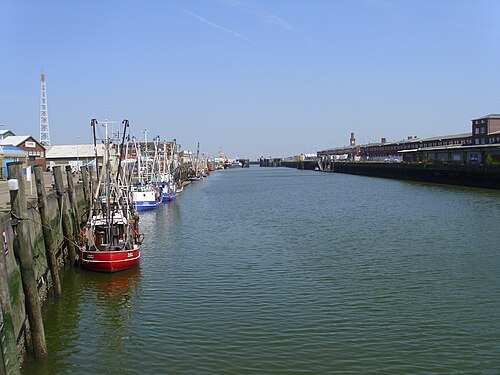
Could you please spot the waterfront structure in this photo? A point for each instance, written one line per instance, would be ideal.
(36, 151)
(152, 147)
(9, 154)
(44, 113)
(270, 162)
(74, 155)
(474, 147)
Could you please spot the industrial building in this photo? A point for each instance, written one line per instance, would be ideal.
(474, 147)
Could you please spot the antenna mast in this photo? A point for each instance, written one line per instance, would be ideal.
(44, 114)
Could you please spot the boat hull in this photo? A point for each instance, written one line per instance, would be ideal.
(232, 165)
(146, 205)
(110, 261)
(146, 199)
(169, 196)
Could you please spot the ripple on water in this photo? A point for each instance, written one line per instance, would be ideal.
(285, 271)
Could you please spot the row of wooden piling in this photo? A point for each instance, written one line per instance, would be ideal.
(70, 220)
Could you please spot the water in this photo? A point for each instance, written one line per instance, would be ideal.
(280, 271)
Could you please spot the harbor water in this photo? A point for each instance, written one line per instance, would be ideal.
(281, 271)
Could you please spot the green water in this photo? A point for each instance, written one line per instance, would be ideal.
(279, 271)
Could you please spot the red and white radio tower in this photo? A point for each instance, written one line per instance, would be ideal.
(44, 114)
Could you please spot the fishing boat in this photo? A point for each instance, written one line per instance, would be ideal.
(146, 197)
(231, 165)
(111, 240)
(147, 194)
(195, 174)
(169, 191)
(166, 170)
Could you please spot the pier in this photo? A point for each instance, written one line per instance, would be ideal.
(39, 236)
(480, 176)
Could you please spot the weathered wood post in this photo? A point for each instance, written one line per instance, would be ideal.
(48, 235)
(91, 173)
(19, 220)
(66, 218)
(7, 335)
(72, 199)
(86, 190)
(92, 182)
(86, 187)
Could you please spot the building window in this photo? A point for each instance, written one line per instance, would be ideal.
(476, 131)
(483, 141)
(476, 141)
(482, 129)
(41, 154)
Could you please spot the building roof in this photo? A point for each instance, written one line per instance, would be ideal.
(73, 151)
(14, 140)
(5, 131)
(450, 147)
(493, 115)
(441, 137)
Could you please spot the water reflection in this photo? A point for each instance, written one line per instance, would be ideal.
(92, 318)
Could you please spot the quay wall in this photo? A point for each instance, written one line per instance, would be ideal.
(310, 165)
(481, 176)
(17, 317)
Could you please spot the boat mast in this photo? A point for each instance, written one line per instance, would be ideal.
(197, 156)
(125, 126)
(145, 131)
(107, 186)
(93, 123)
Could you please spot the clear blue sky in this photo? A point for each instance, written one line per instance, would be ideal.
(253, 77)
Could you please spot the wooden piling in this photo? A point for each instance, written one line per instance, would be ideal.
(7, 335)
(48, 234)
(20, 216)
(72, 199)
(92, 182)
(66, 218)
(86, 187)
(92, 177)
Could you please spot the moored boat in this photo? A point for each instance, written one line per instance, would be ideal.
(111, 238)
(169, 192)
(232, 165)
(146, 197)
(107, 249)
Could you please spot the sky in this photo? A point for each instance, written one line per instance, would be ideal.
(251, 78)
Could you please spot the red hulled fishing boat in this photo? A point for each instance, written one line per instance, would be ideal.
(111, 239)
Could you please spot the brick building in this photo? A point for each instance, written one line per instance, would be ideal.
(36, 151)
(473, 147)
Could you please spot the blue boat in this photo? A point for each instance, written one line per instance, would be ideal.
(169, 191)
(146, 197)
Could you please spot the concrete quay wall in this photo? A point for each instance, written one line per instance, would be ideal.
(481, 176)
